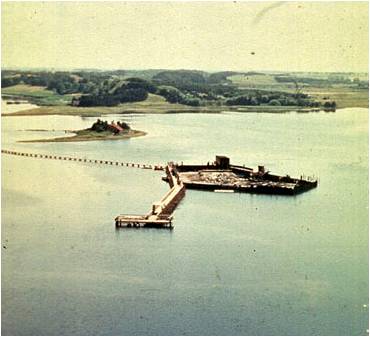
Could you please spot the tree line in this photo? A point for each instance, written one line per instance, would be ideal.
(193, 88)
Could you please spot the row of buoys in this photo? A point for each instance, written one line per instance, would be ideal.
(93, 161)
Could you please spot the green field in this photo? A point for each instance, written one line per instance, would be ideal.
(261, 82)
(36, 95)
(346, 96)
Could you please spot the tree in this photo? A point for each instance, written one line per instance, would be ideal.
(274, 102)
(138, 83)
(9, 81)
(264, 99)
(60, 88)
(254, 101)
(330, 106)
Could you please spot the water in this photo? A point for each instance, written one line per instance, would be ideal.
(235, 264)
(10, 108)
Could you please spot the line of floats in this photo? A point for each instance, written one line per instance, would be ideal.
(83, 160)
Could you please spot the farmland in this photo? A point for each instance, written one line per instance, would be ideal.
(98, 93)
(36, 94)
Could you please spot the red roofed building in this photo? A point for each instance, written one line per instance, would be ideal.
(115, 128)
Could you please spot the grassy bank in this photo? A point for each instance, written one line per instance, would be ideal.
(88, 135)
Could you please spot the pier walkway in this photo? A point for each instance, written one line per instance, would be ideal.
(161, 213)
(83, 160)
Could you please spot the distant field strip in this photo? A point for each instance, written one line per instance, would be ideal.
(83, 160)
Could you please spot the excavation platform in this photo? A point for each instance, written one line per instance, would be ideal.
(219, 176)
(223, 176)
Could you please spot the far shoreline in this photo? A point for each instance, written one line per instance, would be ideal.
(177, 108)
(345, 99)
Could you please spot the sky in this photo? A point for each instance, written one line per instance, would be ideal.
(211, 36)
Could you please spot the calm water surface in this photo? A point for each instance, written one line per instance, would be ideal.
(9, 108)
(235, 264)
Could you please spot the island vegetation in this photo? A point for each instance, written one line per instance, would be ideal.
(100, 130)
(94, 93)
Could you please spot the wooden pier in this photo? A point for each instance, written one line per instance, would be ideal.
(219, 176)
(161, 213)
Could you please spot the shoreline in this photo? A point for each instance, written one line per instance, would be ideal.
(345, 99)
(88, 136)
(101, 111)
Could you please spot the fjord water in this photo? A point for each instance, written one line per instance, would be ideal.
(235, 264)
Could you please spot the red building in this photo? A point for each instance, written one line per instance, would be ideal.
(115, 128)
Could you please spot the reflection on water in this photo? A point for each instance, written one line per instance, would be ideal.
(234, 264)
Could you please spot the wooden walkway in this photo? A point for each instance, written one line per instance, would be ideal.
(83, 160)
(161, 213)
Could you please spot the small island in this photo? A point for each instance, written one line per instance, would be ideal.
(100, 130)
